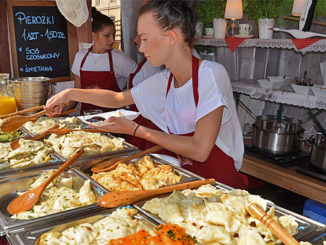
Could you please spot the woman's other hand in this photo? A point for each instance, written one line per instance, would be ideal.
(119, 125)
(57, 102)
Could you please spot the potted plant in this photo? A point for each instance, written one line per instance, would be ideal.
(265, 12)
(211, 13)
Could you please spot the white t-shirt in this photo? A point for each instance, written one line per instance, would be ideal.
(178, 111)
(145, 72)
(122, 64)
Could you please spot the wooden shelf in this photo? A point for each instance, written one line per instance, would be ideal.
(286, 178)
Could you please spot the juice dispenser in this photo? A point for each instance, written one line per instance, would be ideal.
(7, 100)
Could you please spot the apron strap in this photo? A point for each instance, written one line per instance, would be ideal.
(111, 62)
(195, 67)
(169, 85)
(132, 75)
(84, 59)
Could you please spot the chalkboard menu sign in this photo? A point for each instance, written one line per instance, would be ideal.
(41, 40)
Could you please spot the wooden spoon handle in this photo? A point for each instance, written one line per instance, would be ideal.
(182, 186)
(110, 165)
(64, 166)
(271, 224)
(94, 162)
(36, 108)
(64, 113)
(61, 131)
(45, 133)
(142, 153)
(38, 114)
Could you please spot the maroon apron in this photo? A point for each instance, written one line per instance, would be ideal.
(139, 142)
(218, 165)
(97, 79)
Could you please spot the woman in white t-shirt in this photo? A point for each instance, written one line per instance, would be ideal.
(101, 66)
(191, 101)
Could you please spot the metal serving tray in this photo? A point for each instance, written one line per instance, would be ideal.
(31, 234)
(29, 133)
(20, 182)
(307, 227)
(84, 158)
(55, 160)
(186, 175)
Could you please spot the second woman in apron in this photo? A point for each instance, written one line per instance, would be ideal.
(101, 66)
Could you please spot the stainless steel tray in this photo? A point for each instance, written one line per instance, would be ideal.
(10, 171)
(55, 160)
(306, 228)
(186, 175)
(19, 182)
(29, 133)
(84, 158)
(30, 235)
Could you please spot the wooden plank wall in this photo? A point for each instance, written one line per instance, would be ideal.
(4, 43)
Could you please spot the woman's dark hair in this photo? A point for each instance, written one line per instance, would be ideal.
(173, 13)
(100, 20)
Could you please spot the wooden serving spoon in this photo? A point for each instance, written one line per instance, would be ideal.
(122, 198)
(61, 131)
(67, 112)
(15, 144)
(27, 200)
(113, 163)
(15, 122)
(271, 224)
(36, 108)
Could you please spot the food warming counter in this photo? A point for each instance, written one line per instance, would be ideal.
(285, 177)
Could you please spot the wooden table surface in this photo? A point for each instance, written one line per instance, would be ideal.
(286, 178)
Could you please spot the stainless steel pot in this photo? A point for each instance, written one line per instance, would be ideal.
(277, 137)
(30, 91)
(318, 154)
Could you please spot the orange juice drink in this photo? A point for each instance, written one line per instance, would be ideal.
(7, 105)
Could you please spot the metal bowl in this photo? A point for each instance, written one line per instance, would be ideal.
(30, 91)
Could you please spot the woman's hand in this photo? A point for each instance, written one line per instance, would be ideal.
(119, 125)
(57, 102)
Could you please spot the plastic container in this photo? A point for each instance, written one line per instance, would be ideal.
(319, 90)
(315, 210)
(276, 82)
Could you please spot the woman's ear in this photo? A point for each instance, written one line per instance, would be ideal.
(93, 35)
(173, 37)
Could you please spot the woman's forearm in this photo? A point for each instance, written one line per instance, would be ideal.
(100, 97)
(196, 147)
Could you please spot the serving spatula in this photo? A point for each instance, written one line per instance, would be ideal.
(27, 200)
(112, 163)
(15, 144)
(122, 198)
(271, 224)
(15, 122)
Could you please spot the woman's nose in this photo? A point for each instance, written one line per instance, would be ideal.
(142, 47)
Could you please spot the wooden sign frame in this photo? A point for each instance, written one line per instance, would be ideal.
(71, 31)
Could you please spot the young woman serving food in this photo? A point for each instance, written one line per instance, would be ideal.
(191, 101)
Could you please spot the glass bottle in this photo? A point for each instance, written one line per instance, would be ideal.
(7, 100)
